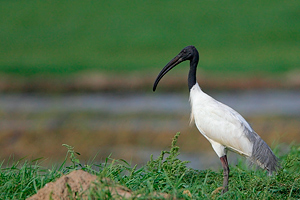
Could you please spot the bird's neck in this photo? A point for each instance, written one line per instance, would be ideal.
(192, 73)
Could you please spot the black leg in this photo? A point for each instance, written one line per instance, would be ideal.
(225, 173)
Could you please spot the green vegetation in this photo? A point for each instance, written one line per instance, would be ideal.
(59, 37)
(165, 174)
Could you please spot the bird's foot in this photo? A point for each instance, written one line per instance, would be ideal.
(225, 189)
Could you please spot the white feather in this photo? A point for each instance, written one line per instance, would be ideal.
(221, 125)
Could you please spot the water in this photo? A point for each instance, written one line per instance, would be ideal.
(98, 122)
(254, 102)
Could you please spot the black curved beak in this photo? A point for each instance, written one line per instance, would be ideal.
(175, 61)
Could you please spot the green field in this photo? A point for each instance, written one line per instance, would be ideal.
(165, 174)
(59, 37)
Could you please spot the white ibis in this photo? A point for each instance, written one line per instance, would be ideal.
(222, 126)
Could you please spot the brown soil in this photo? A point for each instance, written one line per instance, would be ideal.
(95, 81)
(78, 183)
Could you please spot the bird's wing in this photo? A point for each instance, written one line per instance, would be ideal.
(221, 111)
(236, 116)
(201, 101)
(220, 123)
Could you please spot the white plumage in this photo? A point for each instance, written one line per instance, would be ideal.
(220, 124)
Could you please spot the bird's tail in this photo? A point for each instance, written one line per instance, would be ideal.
(263, 156)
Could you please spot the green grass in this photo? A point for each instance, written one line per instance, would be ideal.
(168, 174)
(58, 37)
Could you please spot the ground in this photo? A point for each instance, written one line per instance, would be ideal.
(79, 183)
(75, 185)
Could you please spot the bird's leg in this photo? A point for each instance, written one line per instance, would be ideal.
(225, 173)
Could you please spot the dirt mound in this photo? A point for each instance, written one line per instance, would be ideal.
(75, 185)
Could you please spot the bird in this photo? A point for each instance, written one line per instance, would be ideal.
(221, 125)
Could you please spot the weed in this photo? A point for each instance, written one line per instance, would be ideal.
(165, 175)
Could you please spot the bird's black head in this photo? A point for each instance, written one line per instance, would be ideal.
(188, 53)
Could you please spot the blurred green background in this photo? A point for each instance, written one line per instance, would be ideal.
(65, 37)
(66, 68)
